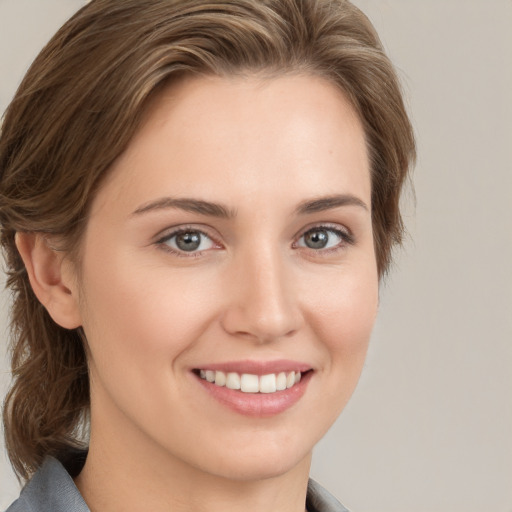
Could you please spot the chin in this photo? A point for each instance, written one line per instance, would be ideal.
(258, 461)
(260, 468)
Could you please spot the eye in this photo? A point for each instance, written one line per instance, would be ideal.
(187, 241)
(321, 238)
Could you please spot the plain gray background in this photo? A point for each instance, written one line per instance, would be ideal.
(430, 425)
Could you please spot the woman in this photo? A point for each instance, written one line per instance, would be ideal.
(197, 202)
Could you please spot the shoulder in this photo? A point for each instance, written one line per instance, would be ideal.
(51, 488)
(320, 500)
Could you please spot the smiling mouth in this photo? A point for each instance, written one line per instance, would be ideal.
(252, 383)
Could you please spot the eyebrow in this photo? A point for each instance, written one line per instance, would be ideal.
(327, 203)
(189, 205)
(212, 209)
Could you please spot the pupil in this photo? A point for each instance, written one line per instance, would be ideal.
(188, 241)
(317, 239)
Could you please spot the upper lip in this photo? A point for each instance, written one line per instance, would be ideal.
(257, 367)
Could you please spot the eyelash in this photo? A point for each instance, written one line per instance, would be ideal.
(163, 242)
(344, 235)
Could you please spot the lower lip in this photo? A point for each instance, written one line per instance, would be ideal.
(259, 405)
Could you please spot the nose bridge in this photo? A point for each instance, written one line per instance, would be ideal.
(262, 305)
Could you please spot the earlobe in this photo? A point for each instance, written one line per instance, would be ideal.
(52, 284)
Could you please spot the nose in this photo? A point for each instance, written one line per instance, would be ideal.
(263, 305)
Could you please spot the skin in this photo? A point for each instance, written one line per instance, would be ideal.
(256, 291)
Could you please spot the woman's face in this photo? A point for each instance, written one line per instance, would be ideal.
(231, 241)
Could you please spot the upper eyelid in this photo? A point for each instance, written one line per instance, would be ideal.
(332, 226)
(169, 232)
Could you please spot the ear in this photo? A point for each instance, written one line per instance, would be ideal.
(51, 278)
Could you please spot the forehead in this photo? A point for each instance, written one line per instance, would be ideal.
(252, 133)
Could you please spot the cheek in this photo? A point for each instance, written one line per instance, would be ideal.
(147, 315)
(139, 324)
(343, 317)
(344, 312)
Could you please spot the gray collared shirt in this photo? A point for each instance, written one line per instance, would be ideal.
(52, 490)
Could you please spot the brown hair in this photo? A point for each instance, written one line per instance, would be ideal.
(77, 109)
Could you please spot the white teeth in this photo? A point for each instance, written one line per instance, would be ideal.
(249, 383)
(281, 381)
(268, 383)
(220, 378)
(233, 381)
